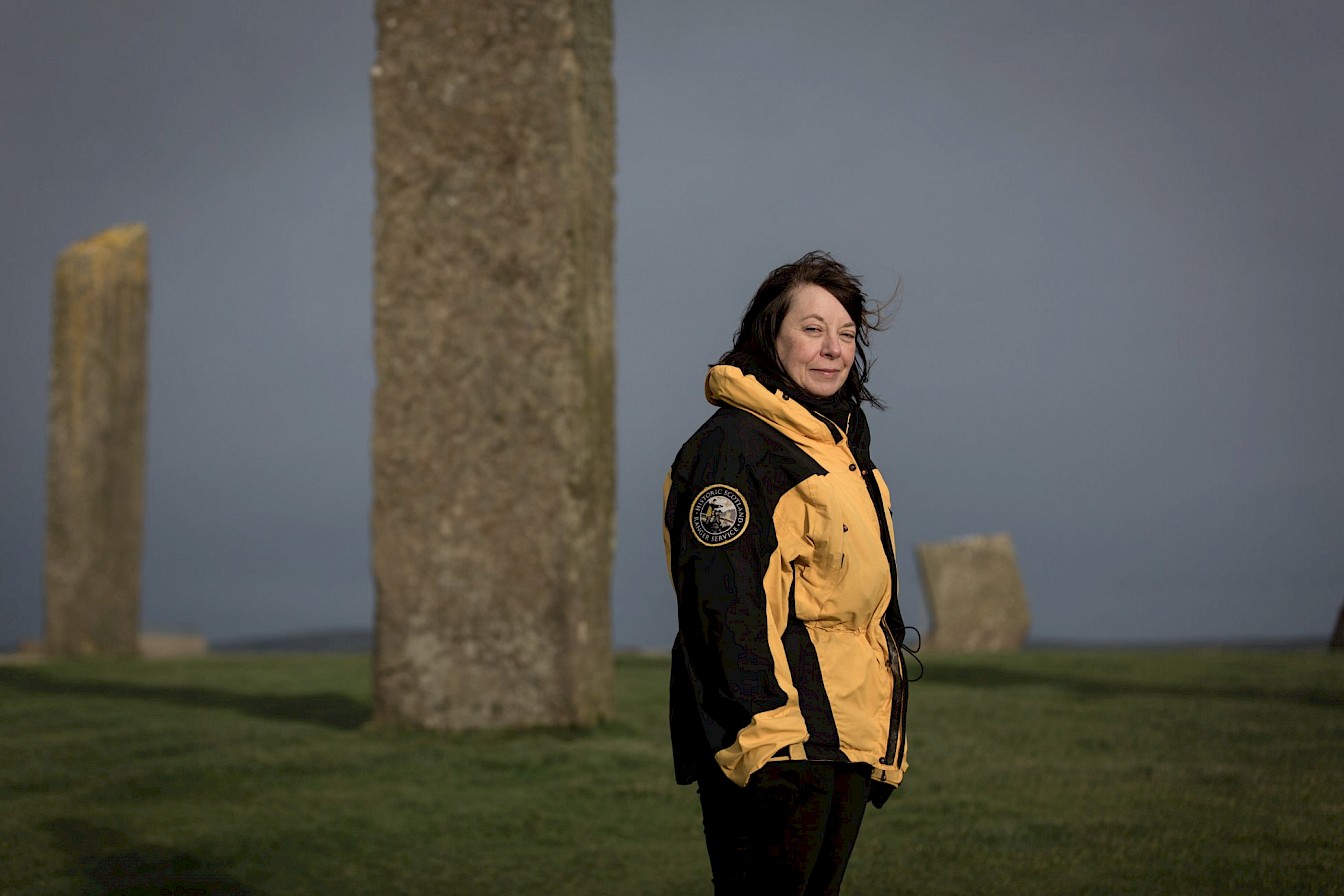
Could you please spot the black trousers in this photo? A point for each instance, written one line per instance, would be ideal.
(789, 831)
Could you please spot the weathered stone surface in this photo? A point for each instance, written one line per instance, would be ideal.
(1337, 639)
(493, 445)
(96, 446)
(974, 593)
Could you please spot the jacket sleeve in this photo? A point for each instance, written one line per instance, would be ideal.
(719, 556)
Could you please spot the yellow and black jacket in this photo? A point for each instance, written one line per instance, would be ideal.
(778, 539)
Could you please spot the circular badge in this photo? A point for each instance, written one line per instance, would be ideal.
(718, 515)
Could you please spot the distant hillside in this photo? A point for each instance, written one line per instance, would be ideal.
(1305, 642)
(355, 640)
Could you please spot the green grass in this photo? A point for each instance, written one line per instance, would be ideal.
(1041, 772)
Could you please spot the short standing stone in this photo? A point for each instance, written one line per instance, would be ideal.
(96, 447)
(974, 593)
(493, 442)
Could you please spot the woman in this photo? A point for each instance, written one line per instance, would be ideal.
(788, 687)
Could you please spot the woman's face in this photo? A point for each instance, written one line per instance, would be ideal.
(816, 341)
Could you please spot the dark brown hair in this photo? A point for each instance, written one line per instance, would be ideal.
(760, 325)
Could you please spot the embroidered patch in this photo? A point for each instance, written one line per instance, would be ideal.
(718, 515)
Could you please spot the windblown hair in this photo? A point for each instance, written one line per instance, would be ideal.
(765, 315)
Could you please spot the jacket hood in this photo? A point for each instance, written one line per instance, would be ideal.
(729, 385)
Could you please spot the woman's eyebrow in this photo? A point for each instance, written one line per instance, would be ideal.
(847, 325)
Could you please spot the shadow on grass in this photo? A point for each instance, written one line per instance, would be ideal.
(117, 865)
(328, 709)
(990, 677)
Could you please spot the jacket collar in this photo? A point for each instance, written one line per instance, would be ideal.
(730, 386)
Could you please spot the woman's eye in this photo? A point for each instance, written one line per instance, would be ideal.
(848, 337)
(811, 329)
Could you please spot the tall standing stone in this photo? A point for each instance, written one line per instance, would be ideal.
(96, 446)
(1337, 639)
(493, 444)
(974, 593)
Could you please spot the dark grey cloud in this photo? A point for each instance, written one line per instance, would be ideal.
(241, 135)
(1116, 227)
(1120, 312)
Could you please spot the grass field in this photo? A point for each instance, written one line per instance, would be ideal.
(1040, 772)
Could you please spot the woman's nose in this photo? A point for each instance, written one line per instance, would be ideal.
(830, 346)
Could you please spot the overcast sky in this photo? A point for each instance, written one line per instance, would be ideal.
(1118, 227)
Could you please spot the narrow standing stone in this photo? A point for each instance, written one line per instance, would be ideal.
(974, 593)
(96, 449)
(1337, 639)
(493, 443)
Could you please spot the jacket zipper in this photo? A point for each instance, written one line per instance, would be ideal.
(895, 662)
(896, 666)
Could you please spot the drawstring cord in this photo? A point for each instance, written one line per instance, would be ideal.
(911, 651)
